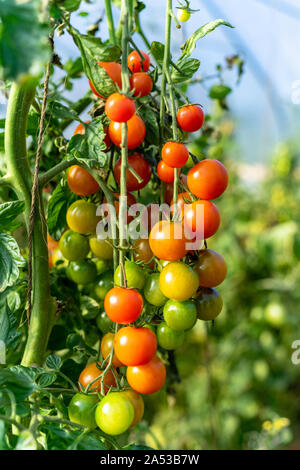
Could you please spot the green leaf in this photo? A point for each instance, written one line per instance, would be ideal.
(89, 307)
(10, 261)
(24, 45)
(158, 50)
(62, 197)
(9, 211)
(152, 129)
(47, 379)
(53, 362)
(70, 5)
(60, 111)
(74, 67)
(19, 384)
(187, 66)
(59, 438)
(190, 44)
(219, 92)
(26, 441)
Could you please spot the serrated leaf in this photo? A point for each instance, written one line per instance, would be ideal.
(62, 197)
(190, 44)
(60, 111)
(9, 211)
(10, 261)
(187, 66)
(47, 379)
(53, 362)
(19, 384)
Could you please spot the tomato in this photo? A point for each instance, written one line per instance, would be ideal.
(202, 218)
(175, 154)
(136, 63)
(123, 305)
(167, 240)
(134, 275)
(115, 413)
(148, 378)
(52, 244)
(130, 201)
(141, 167)
(142, 84)
(180, 315)
(211, 268)
(183, 15)
(190, 118)
(119, 107)
(80, 129)
(165, 172)
(135, 346)
(104, 283)
(102, 265)
(169, 189)
(209, 303)
(137, 403)
(81, 182)
(208, 179)
(107, 343)
(82, 272)
(142, 252)
(152, 292)
(74, 246)
(181, 202)
(104, 323)
(81, 217)
(113, 69)
(136, 132)
(169, 339)
(91, 373)
(57, 258)
(81, 409)
(178, 281)
(101, 247)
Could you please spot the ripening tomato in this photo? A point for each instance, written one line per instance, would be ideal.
(141, 83)
(202, 218)
(81, 217)
(180, 315)
(115, 413)
(123, 305)
(107, 343)
(131, 200)
(142, 252)
(119, 107)
(175, 154)
(52, 244)
(167, 240)
(178, 281)
(136, 131)
(148, 378)
(82, 272)
(140, 166)
(209, 304)
(101, 247)
(136, 63)
(165, 172)
(182, 200)
(208, 179)
(169, 339)
(152, 291)
(80, 129)
(113, 69)
(135, 346)
(74, 246)
(91, 373)
(211, 268)
(134, 273)
(137, 403)
(81, 182)
(81, 409)
(190, 118)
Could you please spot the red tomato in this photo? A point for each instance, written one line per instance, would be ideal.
(136, 131)
(119, 107)
(91, 372)
(167, 240)
(208, 179)
(210, 222)
(190, 118)
(165, 172)
(136, 64)
(140, 166)
(123, 305)
(113, 69)
(174, 154)
(142, 84)
(148, 378)
(81, 182)
(135, 346)
(211, 268)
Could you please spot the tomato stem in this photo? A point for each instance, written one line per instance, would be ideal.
(110, 22)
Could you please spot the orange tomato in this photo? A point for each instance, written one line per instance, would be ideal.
(122, 305)
(148, 378)
(136, 131)
(208, 179)
(135, 346)
(91, 372)
(174, 154)
(203, 218)
(81, 182)
(113, 69)
(167, 240)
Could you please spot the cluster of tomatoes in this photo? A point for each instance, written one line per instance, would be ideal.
(167, 288)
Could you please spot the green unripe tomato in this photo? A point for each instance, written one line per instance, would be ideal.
(82, 272)
(104, 323)
(73, 246)
(101, 247)
(180, 315)
(102, 265)
(105, 282)
(275, 314)
(114, 414)
(167, 338)
(135, 276)
(152, 292)
(183, 15)
(82, 408)
(209, 304)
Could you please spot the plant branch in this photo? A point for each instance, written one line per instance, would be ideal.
(110, 22)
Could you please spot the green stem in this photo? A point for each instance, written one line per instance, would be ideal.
(140, 31)
(43, 308)
(110, 22)
(49, 175)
